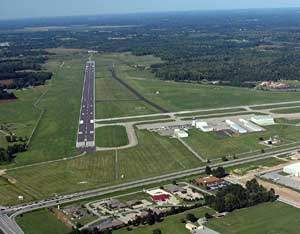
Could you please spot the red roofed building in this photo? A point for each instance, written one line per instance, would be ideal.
(207, 180)
(161, 197)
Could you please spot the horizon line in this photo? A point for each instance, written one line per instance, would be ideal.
(147, 12)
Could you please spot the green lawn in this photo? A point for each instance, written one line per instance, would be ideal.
(212, 112)
(170, 225)
(55, 136)
(183, 96)
(269, 218)
(287, 110)
(122, 108)
(211, 145)
(111, 136)
(162, 117)
(113, 99)
(275, 106)
(42, 222)
(155, 155)
(20, 116)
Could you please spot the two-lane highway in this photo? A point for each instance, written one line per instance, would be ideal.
(86, 129)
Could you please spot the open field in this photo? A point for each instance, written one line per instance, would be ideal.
(274, 218)
(183, 96)
(113, 99)
(274, 106)
(56, 134)
(246, 167)
(154, 155)
(205, 143)
(154, 118)
(111, 136)
(122, 109)
(42, 222)
(211, 145)
(170, 225)
(287, 110)
(223, 115)
(212, 112)
(20, 117)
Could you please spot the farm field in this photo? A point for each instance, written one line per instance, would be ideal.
(274, 218)
(287, 110)
(205, 143)
(154, 155)
(42, 221)
(170, 225)
(111, 136)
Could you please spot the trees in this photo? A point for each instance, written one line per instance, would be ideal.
(219, 172)
(191, 217)
(235, 196)
(157, 231)
(208, 170)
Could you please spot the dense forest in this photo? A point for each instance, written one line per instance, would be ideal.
(237, 48)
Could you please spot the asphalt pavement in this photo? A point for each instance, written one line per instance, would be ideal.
(86, 129)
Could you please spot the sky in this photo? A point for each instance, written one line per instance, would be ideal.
(10, 9)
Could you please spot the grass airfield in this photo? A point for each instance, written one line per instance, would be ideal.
(56, 134)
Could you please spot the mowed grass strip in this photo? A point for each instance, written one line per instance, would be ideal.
(153, 156)
(68, 176)
(275, 106)
(211, 112)
(176, 96)
(55, 136)
(106, 110)
(111, 136)
(160, 117)
(287, 110)
(266, 218)
(42, 222)
(211, 145)
(170, 225)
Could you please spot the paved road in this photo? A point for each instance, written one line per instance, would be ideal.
(86, 129)
(9, 226)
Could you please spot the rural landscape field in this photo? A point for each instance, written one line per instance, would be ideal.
(163, 123)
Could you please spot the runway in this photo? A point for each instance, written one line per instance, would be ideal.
(86, 129)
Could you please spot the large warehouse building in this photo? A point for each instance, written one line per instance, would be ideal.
(293, 169)
(263, 120)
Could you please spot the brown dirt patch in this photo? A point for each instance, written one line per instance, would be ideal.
(6, 82)
(7, 100)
